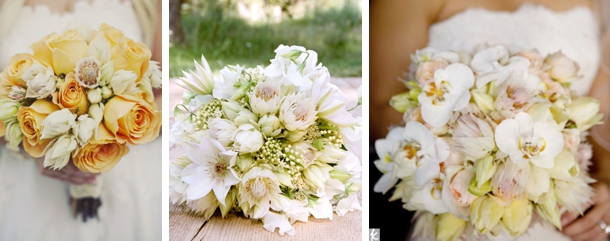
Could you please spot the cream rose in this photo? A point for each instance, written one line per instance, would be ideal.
(72, 96)
(101, 154)
(61, 51)
(30, 120)
(132, 120)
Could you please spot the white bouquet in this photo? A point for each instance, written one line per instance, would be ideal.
(491, 139)
(269, 142)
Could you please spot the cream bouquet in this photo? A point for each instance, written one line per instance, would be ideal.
(272, 143)
(81, 97)
(491, 140)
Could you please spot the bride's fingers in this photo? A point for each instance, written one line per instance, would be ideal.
(586, 223)
(593, 233)
(568, 218)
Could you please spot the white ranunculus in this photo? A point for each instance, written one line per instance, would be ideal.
(222, 130)
(525, 140)
(270, 125)
(298, 112)
(266, 97)
(84, 129)
(561, 68)
(447, 93)
(201, 82)
(57, 123)
(94, 95)
(122, 80)
(40, 81)
(57, 153)
(248, 139)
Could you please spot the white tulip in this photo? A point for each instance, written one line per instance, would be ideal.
(57, 123)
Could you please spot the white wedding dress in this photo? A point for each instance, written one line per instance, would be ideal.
(575, 32)
(35, 207)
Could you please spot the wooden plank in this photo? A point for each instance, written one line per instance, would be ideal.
(183, 225)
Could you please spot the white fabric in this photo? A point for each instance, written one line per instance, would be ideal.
(575, 32)
(35, 207)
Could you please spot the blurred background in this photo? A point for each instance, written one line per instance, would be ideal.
(245, 32)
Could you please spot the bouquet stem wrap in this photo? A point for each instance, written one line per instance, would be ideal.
(85, 199)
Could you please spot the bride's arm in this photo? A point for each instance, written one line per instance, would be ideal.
(398, 28)
(157, 51)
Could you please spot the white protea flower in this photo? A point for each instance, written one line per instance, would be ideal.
(248, 139)
(447, 93)
(575, 194)
(58, 152)
(57, 123)
(298, 112)
(515, 94)
(201, 82)
(494, 64)
(266, 97)
(259, 190)
(87, 72)
(99, 48)
(526, 140)
(222, 130)
(229, 77)
(474, 136)
(212, 169)
(40, 81)
(121, 82)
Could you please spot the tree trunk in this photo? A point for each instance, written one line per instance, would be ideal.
(175, 23)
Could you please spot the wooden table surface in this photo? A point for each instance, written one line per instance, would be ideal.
(184, 225)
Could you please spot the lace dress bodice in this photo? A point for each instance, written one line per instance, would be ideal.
(575, 32)
(34, 23)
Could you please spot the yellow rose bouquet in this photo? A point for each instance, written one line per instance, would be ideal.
(82, 96)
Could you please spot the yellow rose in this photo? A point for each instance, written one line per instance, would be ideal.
(131, 56)
(72, 96)
(61, 51)
(17, 65)
(111, 34)
(101, 154)
(132, 120)
(30, 120)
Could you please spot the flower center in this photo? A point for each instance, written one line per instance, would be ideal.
(411, 149)
(220, 168)
(265, 93)
(258, 188)
(301, 112)
(436, 190)
(530, 147)
(87, 72)
(437, 93)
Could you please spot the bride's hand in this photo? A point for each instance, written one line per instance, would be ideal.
(70, 173)
(588, 227)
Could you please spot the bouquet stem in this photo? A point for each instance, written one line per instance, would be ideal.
(85, 200)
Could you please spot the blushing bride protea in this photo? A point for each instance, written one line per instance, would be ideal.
(270, 142)
(490, 140)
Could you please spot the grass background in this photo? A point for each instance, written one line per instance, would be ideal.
(215, 29)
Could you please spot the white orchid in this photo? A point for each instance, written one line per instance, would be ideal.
(212, 169)
(494, 64)
(447, 93)
(430, 151)
(201, 82)
(526, 140)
